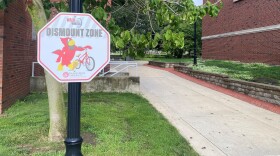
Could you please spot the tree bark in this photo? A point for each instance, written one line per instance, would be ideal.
(57, 110)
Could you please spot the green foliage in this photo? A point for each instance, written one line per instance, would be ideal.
(119, 42)
(61, 7)
(2, 4)
(169, 29)
(161, 21)
(168, 11)
(111, 124)
(99, 13)
(125, 35)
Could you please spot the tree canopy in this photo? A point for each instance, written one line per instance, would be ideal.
(138, 25)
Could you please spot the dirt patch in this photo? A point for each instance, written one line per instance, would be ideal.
(3, 115)
(89, 138)
(31, 149)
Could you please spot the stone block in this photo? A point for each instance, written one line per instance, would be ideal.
(240, 89)
(267, 95)
(276, 97)
(259, 89)
(237, 84)
(273, 101)
(260, 94)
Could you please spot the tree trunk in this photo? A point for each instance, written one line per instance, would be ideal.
(55, 95)
(57, 109)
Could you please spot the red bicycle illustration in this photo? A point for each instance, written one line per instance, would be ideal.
(86, 60)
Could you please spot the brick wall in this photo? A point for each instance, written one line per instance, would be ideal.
(18, 52)
(245, 14)
(1, 54)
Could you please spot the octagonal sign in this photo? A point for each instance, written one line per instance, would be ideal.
(73, 47)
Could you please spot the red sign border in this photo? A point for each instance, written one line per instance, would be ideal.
(73, 80)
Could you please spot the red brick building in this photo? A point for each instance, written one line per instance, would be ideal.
(17, 52)
(245, 30)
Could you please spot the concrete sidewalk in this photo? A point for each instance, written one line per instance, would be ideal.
(214, 123)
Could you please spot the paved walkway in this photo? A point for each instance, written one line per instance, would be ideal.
(214, 123)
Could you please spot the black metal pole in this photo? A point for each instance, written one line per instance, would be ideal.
(73, 142)
(76, 6)
(194, 49)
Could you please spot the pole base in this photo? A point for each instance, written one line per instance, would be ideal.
(73, 146)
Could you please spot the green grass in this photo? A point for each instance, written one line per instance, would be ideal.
(257, 72)
(112, 124)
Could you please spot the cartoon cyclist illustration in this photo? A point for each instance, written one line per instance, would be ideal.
(67, 53)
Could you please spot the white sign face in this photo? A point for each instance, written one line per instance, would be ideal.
(73, 47)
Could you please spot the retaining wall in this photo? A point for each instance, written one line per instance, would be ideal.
(164, 64)
(264, 92)
(98, 84)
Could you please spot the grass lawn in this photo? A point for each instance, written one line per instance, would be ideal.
(113, 124)
(257, 72)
